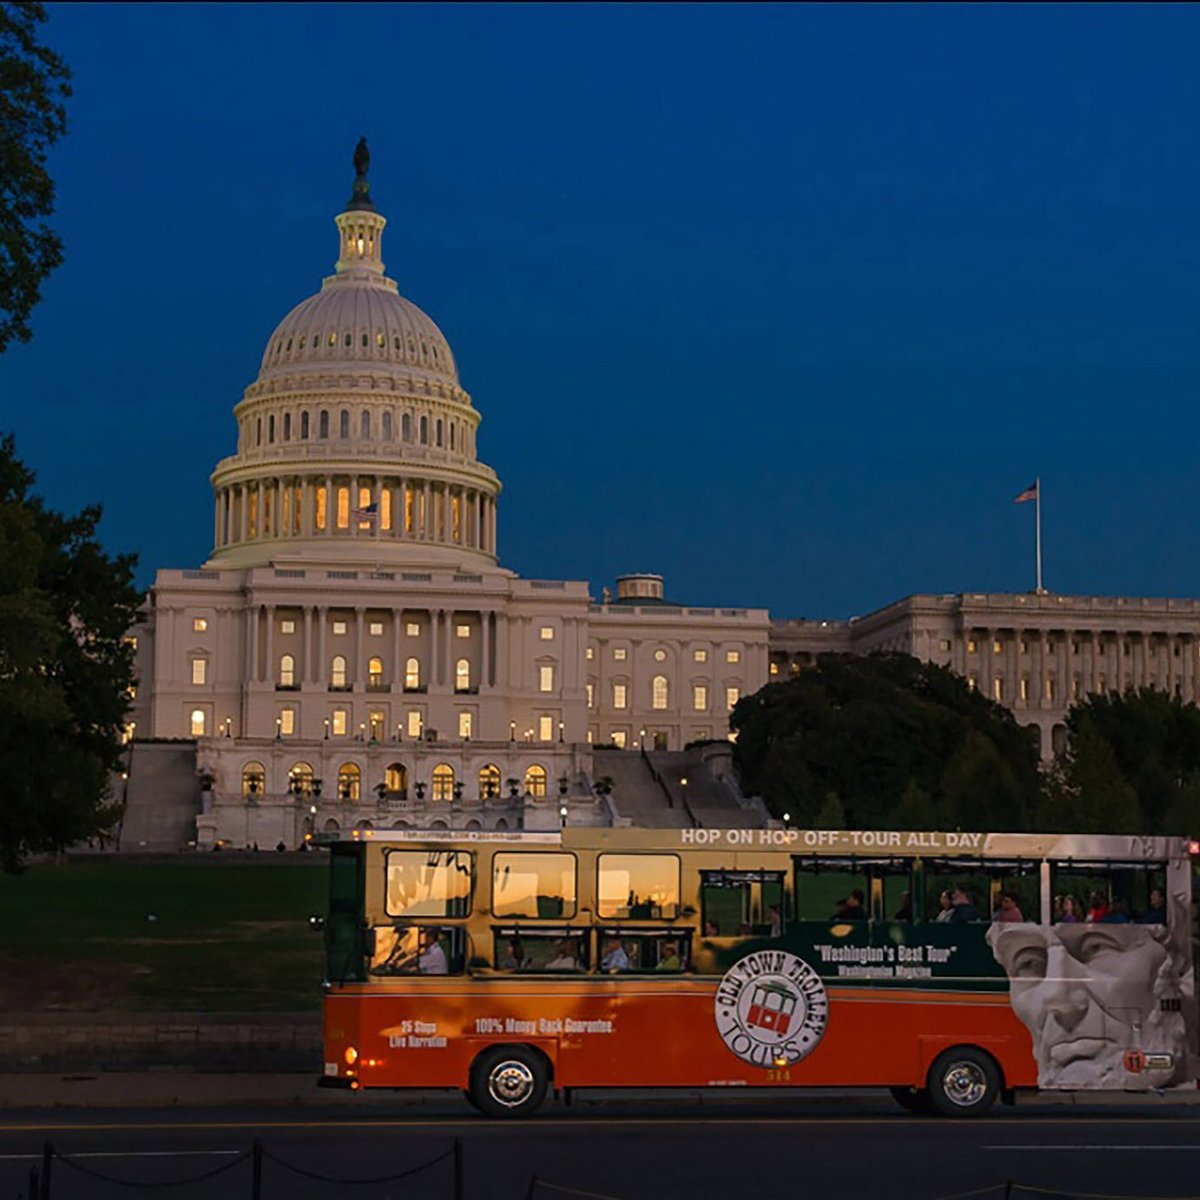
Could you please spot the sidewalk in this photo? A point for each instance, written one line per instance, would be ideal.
(194, 1089)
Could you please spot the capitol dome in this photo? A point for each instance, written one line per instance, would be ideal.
(356, 437)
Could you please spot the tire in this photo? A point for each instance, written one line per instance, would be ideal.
(913, 1100)
(509, 1081)
(963, 1082)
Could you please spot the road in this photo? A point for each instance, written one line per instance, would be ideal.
(626, 1150)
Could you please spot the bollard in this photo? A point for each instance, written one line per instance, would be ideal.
(47, 1159)
(458, 1169)
(256, 1170)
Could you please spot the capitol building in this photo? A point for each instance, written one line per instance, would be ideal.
(354, 655)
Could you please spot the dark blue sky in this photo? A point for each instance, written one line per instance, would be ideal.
(786, 303)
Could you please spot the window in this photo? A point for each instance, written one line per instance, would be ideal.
(464, 724)
(546, 633)
(287, 626)
(418, 950)
(412, 629)
(618, 738)
(349, 781)
(620, 654)
(415, 722)
(535, 885)
(254, 779)
(653, 950)
(387, 423)
(699, 697)
(732, 696)
(972, 682)
(462, 631)
(1050, 688)
(443, 782)
(545, 728)
(618, 690)
(287, 722)
(733, 656)
(774, 668)
(1024, 687)
(343, 508)
(972, 645)
(1108, 893)
(199, 671)
(590, 653)
(742, 903)
(660, 656)
(638, 886)
(658, 692)
(462, 675)
(546, 678)
(287, 671)
(944, 645)
(535, 781)
(304, 426)
(540, 949)
(365, 425)
(998, 689)
(375, 628)
(997, 647)
(199, 624)
(975, 889)
(323, 424)
(489, 781)
(337, 672)
(344, 422)
(412, 675)
(428, 883)
(197, 723)
(375, 672)
(322, 507)
(339, 628)
(700, 656)
(300, 779)
(338, 723)
(591, 694)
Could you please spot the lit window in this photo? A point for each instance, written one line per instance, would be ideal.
(338, 724)
(462, 676)
(343, 508)
(415, 723)
(1075, 688)
(375, 672)
(700, 656)
(339, 628)
(546, 678)
(321, 506)
(254, 779)
(462, 631)
(660, 656)
(638, 885)
(618, 738)
(375, 723)
(1024, 688)
(337, 671)
(619, 655)
(412, 674)
(591, 653)
(443, 782)
(618, 695)
(412, 629)
(997, 689)
(1023, 646)
(591, 695)
(733, 656)
(1050, 687)
(489, 783)
(545, 728)
(287, 626)
(972, 682)
(945, 644)
(535, 781)
(199, 624)
(732, 696)
(464, 725)
(287, 721)
(774, 668)
(546, 633)
(198, 723)
(349, 781)
(199, 671)
(287, 671)
(700, 697)
(658, 692)
(997, 647)
(375, 628)
(972, 646)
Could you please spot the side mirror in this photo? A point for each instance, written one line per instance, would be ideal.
(316, 924)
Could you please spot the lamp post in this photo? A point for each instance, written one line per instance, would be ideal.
(279, 729)
(327, 729)
(560, 731)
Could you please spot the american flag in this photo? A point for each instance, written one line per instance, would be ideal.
(1030, 493)
(367, 513)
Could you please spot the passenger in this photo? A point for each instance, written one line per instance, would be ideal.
(1070, 911)
(1097, 908)
(432, 958)
(964, 911)
(904, 912)
(1056, 909)
(669, 959)
(513, 958)
(1009, 911)
(851, 908)
(1118, 914)
(565, 959)
(775, 919)
(945, 908)
(1156, 914)
(615, 959)
(711, 929)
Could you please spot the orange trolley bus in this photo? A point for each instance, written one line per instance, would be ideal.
(952, 968)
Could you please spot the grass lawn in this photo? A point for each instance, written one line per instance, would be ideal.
(219, 933)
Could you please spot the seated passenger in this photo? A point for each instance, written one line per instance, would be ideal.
(513, 958)
(1097, 908)
(1009, 911)
(615, 959)
(904, 912)
(775, 918)
(945, 908)
(851, 908)
(565, 959)
(432, 958)
(669, 960)
(1118, 914)
(1068, 912)
(1156, 914)
(711, 929)
(964, 910)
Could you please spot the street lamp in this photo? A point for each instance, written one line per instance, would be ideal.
(562, 813)
(560, 731)
(326, 728)
(683, 788)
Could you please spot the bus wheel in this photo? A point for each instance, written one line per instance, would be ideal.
(913, 1100)
(509, 1081)
(963, 1082)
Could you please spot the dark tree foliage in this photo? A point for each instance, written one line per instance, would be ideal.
(65, 670)
(33, 86)
(893, 739)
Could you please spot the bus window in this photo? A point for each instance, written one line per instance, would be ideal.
(832, 889)
(428, 883)
(655, 951)
(1109, 893)
(533, 885)
(344, 957)
(638, 886)
(418, 950)
(742, 903)
(556, 950)
(961, 891)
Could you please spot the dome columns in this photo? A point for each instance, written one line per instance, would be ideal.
(361, 243)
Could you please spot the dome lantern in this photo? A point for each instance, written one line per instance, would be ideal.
(360, 227)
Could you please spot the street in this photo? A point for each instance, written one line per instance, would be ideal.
(627, 1150)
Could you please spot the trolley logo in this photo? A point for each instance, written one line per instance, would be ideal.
(1137, 1061)
(771, 1009)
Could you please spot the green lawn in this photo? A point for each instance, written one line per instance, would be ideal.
(227, 934)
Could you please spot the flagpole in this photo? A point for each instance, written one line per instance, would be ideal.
(1037, 497)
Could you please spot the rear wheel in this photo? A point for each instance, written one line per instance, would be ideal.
(913, 1100)
(963, 1082)
(509, 1081)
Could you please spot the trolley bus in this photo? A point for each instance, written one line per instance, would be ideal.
(953, 968)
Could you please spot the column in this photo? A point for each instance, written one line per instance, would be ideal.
(244, 515)
(354, 486)
(318, 673)
(427, 525)
(485, 657)
(306, 671)
(269, 658)
(492, 525)
(397, 634)
(329, 506)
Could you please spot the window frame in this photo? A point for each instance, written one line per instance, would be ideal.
(565, 915)
(601, 915)
(410, 918)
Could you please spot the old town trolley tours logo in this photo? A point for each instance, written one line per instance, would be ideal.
(771, 1008)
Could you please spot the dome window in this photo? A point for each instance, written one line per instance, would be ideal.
(386, 422)
(438, 431)
(287, 427)
(258, 432)
(424, 431)
(348, 340)
(344, 424)
(332, 338)
(271, 429)
(435, 354)
(302, 340)
(396, 343)
(405, 427)
(366, 424)
(289, 345)
(451, 437)
(380, 341)
(411, 347)
(323, 424)
(364, 340)
(424, 350)
(304, 426)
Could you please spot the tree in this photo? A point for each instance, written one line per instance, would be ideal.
(831, 815)
(1088, 792)
(33, 86)
(875, 729)
(65, 670)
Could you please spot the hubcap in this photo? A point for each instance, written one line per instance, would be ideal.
(964, 1083)
(510, 1083)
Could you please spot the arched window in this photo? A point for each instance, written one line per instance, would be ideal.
(489, 781)
(287, 671)
(366, 424)
(323, 424)
(452, 436)
(304, 426)
(405, 427)
(659, 692)
(349, 781)
(254, 779)
(439, 431)
(386, 423)
(287, 427)
(258, 432)
(395, 778)
(412, 674)
(198, 722)
(337, 672)
(424, 431)
(462, 676)
(300, 779)
(271, 429)
(344, 424)
(375, 672)
(443, 782)
(535, 781)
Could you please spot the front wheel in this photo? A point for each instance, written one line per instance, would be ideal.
(509, 1081)
(963, 1082)
(913, 1100)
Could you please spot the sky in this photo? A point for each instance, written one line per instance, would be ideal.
(784, 303)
